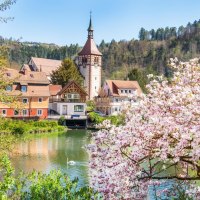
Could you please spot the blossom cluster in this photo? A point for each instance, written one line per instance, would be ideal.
(159, 141)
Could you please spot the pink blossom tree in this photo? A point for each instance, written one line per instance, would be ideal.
(160, 140)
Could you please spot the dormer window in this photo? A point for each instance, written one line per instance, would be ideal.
(40, 99)
(9, 88)
(23, 88)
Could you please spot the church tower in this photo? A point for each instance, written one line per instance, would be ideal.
(89, 62)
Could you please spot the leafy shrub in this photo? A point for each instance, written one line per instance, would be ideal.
(37, 185)
(61, 120)
(115, 120)
(90, 105)
(19, 129)
(96, 118)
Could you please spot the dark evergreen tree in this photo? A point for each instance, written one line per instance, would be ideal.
(142, 34)
(66, 72)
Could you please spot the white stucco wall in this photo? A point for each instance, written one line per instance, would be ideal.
(92, 74)
(70, 108)
(95, 80)
(85, 73)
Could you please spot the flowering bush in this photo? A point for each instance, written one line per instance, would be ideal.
(160, 140)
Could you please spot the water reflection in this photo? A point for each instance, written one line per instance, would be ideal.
(53, 152)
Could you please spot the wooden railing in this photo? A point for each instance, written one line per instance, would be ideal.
(61, 100)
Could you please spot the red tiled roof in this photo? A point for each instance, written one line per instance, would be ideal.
(46, 65)
(90, 48)
(29, 77)
(37, 82)
(116, 85)
(54, 89)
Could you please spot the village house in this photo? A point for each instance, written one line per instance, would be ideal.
(114, 94)
(88, 61)
(43, 65)
(30, 90)
(69, 101)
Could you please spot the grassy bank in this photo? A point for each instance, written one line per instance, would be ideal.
(13, 131)
(8, 126)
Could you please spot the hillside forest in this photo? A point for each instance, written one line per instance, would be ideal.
(123, 59)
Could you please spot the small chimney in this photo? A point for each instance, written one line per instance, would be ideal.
(25, 71)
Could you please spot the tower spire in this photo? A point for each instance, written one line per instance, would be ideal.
(90, 28)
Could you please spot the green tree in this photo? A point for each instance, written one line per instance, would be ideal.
(65, 73)
(5, 5)
(37, 185)
(140, 75)
(3, 81)
(142, 34)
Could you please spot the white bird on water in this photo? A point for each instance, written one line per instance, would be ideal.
(71, 162)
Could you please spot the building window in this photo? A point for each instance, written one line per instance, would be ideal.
(24, 112)
(23, 88)
(39, 112)
(129, 91)
(95, 78)
(126, 91)
(25, 100)
(84, 60)
(73, 96)
(116, 109)
(4, 112)
(8, 88)
(96, 60)
(78, 108)
(40, 99)
(122, 91)
(16, 112)
(116, 100)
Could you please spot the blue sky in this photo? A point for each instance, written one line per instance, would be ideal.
(66, 21)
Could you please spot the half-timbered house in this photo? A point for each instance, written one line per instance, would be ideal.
(70, 101)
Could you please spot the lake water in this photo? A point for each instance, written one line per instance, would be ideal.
(46, 153)
(50, 152)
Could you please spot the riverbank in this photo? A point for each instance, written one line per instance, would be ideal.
(47, 173)
(9, 126)
(12, 131)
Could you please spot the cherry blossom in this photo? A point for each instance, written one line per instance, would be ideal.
(160, 140)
